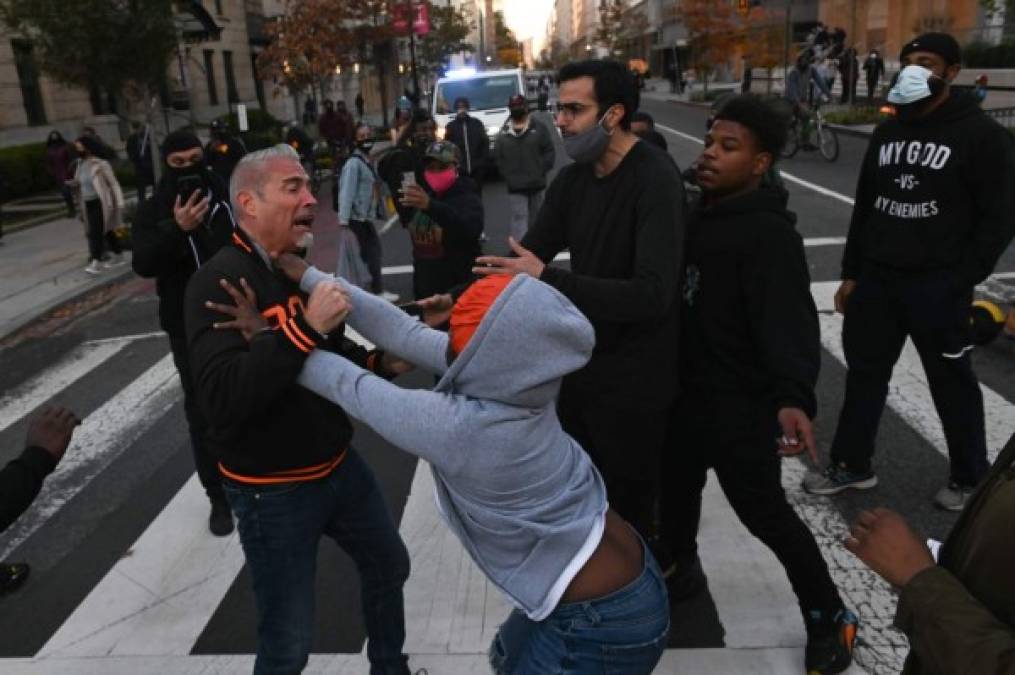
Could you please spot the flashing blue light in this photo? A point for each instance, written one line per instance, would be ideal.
(461, 72)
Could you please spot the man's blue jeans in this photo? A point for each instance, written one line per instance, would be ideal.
(623, 633)
(280, 527)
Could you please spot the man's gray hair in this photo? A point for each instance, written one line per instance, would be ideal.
(249, 172)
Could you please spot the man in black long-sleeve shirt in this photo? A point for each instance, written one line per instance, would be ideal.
(180, 228)
(933, 214)
(49, 434)
(619, 210)
(289, 471)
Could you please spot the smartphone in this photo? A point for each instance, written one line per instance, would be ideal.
(412, 309)
(187, 186)
(408, 178)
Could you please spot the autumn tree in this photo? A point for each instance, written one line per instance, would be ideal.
(449, 29)
(611, 25)
(764, 40)
(712, 33)
(507, 47)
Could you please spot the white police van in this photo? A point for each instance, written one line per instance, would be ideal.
(488, 92)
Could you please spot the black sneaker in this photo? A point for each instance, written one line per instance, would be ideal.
(220, 522)
(830, 640)
(837, 478)
(13, 576)
(685, 580)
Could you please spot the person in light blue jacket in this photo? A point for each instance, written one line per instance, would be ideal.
(522, 496)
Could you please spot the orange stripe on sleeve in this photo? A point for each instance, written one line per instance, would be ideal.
(296, 328)
(292, 338)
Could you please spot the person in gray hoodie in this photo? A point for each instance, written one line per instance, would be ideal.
(522, 496)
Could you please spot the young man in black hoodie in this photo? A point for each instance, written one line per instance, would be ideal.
(749, 360)
(934, 212)
(180, 228)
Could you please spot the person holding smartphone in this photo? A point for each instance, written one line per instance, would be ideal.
(182, 226)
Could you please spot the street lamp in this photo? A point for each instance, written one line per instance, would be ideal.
(338, 69)
(355, 67)
(489, 58)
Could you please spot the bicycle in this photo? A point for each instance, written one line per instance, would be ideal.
(827, 139)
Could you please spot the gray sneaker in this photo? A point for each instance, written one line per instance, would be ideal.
(837, 478)
(953, 497)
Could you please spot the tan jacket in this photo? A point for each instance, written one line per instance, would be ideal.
(960, 615)
(108, 190)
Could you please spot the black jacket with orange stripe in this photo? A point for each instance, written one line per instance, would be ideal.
(264, 427)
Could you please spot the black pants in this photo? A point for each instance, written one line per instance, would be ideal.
(934, 312)
(872, 85)
(369, 250)
(749, 472)
(98, 238)
(207, 468)
(626, 447)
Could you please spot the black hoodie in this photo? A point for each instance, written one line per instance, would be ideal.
(164, 251)
(750, 342)
(936, 195)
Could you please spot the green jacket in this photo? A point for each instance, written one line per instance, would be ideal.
(960, 615)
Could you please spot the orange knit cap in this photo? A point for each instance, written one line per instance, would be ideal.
(472, 306)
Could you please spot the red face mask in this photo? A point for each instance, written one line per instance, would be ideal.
(441, 181)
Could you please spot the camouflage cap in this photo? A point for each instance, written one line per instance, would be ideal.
(444, 151)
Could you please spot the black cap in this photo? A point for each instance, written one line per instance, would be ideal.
(178, 141)
(942, 44)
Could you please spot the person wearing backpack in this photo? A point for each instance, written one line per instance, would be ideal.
(358, 189)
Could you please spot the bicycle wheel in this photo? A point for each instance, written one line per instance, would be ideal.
(828, 142)
(792, 141)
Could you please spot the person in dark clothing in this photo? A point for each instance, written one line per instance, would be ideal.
(336, 126)
(933, 214)
(749, 361)
(178, 230)
(49, 434)
(59, 158)
(446, 225)
(104, 151)
(469, 134)
(223, 151)
(957, 610)
(407, 157)
(849, 68)
(140, 155)
(359, 105)
(874, 66)
(643, 126)
(288, 469)
(619, 210)
(524, 155)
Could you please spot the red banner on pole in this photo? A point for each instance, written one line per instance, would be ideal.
(421, 22)
(400, 17)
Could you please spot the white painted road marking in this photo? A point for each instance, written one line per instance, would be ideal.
(103, 435)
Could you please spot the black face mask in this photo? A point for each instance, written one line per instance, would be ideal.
(365, 146)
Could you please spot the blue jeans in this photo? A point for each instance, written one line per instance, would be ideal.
(280, 527)
(623, 633)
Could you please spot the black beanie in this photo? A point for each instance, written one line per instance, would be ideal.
(942, 44)
(179, 140)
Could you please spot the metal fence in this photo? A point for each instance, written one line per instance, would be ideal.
(1006, 116)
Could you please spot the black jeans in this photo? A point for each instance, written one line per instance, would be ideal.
(749, 472)
(280, 529)
(98, 238)
(626, 446)
(934, 312)
(207, 468)
(369, 250)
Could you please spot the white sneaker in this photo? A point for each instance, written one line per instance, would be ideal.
(387, 295)
(94, 267)
(115, 260)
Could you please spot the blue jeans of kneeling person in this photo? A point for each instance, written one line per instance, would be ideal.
(280, 527)
(624, 633)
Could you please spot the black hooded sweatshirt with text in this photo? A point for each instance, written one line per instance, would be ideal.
(750, 342)
(935, 195)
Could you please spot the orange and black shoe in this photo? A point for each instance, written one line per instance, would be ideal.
(13, 576)
(830, 640)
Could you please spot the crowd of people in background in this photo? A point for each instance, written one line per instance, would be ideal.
(682, 338)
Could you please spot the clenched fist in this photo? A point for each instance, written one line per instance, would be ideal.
(327, 308)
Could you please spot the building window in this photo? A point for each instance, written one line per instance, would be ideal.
(218, 7)
(209, 74)
(231, 93)
(28, 78)
(103, 102)
(258, 84)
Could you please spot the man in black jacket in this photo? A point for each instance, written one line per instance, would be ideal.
(469, 134)
(749, 361)
(49, 434)
(179, 229)
(524, 154)
(290, 474)
(619, 210)
(223, 151)
(933, 214)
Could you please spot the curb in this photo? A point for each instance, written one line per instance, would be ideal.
(850, 131)
(69, 298)
(32, 222)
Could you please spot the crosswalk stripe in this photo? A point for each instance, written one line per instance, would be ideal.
(22, 400)
(103, 435)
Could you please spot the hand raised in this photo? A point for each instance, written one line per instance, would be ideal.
(327, 308)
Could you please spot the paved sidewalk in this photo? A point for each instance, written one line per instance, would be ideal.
(43, 267)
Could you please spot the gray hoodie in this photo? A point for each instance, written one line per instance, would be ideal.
(522, 495)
